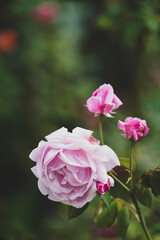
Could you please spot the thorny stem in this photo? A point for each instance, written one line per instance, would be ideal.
(141, 217)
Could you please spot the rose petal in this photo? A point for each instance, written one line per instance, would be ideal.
(57, 135)
(42, 188)
(37, 153)
(94, 104)
(82, 133)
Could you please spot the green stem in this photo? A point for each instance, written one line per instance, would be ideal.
(102, 143)
(141, 217)
(100, 129)
(119, 181)
(130, 164)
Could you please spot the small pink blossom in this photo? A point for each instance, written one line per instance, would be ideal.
(133, 127)
(102, 188)
(46, 12)
(103, 101)
(69, 165)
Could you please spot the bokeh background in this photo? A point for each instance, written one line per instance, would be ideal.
(53, 55)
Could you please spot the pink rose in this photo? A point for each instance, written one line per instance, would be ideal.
(68, 166)
(133, 127)
(103, 101)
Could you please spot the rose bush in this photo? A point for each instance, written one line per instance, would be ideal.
(133, 127)
(103, 101)
(69, 165)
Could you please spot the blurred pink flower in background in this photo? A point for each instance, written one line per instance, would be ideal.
(110, 232)
(103, 101)
(8, 41)
(133, 127)
(46, 12)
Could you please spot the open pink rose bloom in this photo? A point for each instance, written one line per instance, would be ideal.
(103, 101)
(69, 165)
(133, 127)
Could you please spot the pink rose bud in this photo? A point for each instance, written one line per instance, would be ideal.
(135, 128)
(46, 12)
(102, 188)
(69, 165)
(103, 101)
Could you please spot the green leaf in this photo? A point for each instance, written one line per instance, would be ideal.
(145, 181)
(151, 180)
(107, 217)
(154, 180)
(106, 198)
(144, 195)
(123, 220)
(75, 212)
(98, 211)
(125, 163)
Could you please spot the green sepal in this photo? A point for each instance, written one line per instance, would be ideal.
(106, 198)
(75, 212)
(123, 220)
(107, 217)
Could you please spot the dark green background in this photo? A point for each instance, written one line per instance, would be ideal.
(44, 85)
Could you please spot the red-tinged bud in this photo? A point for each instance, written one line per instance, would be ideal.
(103, 188)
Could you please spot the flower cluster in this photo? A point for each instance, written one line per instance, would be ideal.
(72, 167)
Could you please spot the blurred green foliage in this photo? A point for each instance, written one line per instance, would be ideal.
(45, 81)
